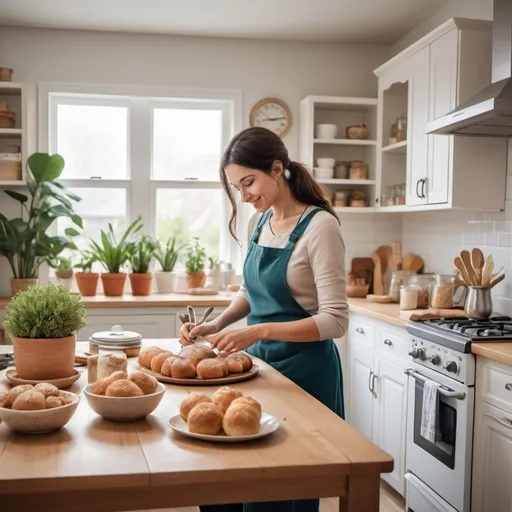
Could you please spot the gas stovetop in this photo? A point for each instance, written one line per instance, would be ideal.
(459, 333)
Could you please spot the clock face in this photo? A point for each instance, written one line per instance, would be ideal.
(273, 115)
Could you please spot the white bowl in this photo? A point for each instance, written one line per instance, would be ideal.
(326, 163)
(323, 174)
(39, 422)
(326, 131)
(124, 408)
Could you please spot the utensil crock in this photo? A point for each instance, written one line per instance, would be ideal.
(478, 302)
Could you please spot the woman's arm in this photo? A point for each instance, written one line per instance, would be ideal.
(238, 309)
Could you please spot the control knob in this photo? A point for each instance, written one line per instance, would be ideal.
(451, 366)
(435, 359)
(414, 352)
(421, 354)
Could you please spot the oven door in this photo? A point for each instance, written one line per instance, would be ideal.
(445, 464)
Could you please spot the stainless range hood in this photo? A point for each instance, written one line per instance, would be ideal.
(488, 113)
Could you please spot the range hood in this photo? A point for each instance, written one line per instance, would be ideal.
(488, 113)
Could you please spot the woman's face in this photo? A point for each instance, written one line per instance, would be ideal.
(256, 187)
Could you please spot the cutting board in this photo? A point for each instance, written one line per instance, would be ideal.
(361, 266)
(431, 314)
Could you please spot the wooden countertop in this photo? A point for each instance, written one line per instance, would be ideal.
(389, 313)
(499, 352)
(141, 465)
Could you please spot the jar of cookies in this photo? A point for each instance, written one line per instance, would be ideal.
(110, 361)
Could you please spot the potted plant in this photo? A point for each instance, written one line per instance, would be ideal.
(42, 323)
(214, 280)
(63, 270)
(140, 259)
(194, 263)
(24, 240)
(87, 280)
(167, 256)
(113, 255)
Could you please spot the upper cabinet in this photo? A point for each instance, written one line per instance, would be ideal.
(424, 82)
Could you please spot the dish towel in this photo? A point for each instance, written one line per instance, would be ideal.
(429, 410)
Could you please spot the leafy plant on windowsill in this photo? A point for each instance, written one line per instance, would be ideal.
(63, 267)
(195, 258)
(167, 254)
(24, 241)
(86, 262)
(142, 254)
(111, 253)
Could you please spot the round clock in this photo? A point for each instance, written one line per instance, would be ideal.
(272, 114)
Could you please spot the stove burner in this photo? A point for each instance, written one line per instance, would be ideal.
(479, 328)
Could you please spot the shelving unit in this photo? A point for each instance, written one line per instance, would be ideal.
(343, 112)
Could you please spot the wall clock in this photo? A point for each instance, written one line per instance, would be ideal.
(272, 114)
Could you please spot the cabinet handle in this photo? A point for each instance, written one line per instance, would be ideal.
(360, 330)
(388, 342)
(423, 183)
(417, 189)
(370, 381)
(502, 421)
(508, 386)
(374, 377)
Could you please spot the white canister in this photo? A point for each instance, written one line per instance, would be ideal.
(165, 282)
(326, 163)
(326, 131)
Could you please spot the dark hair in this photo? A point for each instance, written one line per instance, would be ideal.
(258, 148)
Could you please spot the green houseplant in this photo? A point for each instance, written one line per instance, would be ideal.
(24, 240)
(63, 270)
(42, 323)
(140, 259)
(195, 258)
(166, 254)
(86, 279)
(113, 255)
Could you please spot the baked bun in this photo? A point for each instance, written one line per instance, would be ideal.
(191, 401)
(15, 392)
(182, 368)
(166, 367)
(100, 386)
(53, 401)
(123, 388)
(66, 400)
(212, 368)
(250, 401)
(30, 400)
(147, 383)
(158, 360)
(239, 362)
(205, 418)
(241, 419)
(47, 389)
(196, 353)
(223, 397)
(146, 354)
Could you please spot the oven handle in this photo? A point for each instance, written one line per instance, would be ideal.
(458, 395)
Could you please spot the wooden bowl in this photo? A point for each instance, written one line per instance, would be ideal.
(357, 132)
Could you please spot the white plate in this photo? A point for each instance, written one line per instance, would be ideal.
(268, 425)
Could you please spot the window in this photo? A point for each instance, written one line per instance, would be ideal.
(154, 155)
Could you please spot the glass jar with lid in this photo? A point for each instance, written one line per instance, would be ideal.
(110, 360)
(408, 297)
(398, 278)
(442, 289)
(424, 283)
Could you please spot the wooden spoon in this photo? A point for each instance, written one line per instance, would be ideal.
(487, 271)
(462, 269)
(378, 286)
(466, 259)
(477, 260)
(496, 280)
(407, 262)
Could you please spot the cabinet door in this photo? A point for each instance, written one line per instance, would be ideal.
(361, 401)
(417, 117)
(443, 99)
(492, 460)
(390, 418)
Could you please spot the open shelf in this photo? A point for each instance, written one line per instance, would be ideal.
(354, 209)
(346, 142)
(345, 182)
(400, 148)
(11, 132)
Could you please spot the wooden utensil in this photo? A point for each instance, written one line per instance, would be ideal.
(378, 286)
(361, 267)
(462, 269)
(394, 262)
(496, 280)
(384, 252)
(417, 264)
(466, 259)
(477, 260)
(487, 271)
(407, 262)
(432, 314)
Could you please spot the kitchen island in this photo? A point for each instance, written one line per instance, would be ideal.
(95, 464)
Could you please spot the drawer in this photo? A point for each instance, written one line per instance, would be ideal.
(361, 332)
(495, 383)
(389, 343)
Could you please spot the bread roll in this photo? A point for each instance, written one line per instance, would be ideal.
(205, 418)
(196, 353)
(158, 360)
(239, 362)
(30, 400)
(124, 388)
(146, 382)
(47, 389)
(100, 386)
(241, 419)
(191, 401)
(223, 397)
(250, 401)
(166, 367)
(182, 368)
(212, 368)
(15, 392)
(146, 354)
(54, 401)
(65, 399)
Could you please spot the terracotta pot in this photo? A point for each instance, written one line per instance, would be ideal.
(141, 283)
(22, 285)
(87, 283)
(113, 284)
(44, 359)
(196, 279)
(165, 282)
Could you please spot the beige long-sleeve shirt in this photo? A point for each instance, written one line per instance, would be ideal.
(316, 272)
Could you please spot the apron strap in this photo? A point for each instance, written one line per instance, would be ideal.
(300, 228)
(259, 227)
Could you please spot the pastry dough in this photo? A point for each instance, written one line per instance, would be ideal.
(146, 354)
(251, 402)
(191, 401)
(166, 367)
(15, 392)
(212, 368)
(47, 389)
(223, 397)
(197, 353)
(182, 368)
(239, 362)
(30, 400)
(158, 360)
(54, 401)
(241, 419)
(147, 383)
(123, 388)
(205, 418)
(100, 386)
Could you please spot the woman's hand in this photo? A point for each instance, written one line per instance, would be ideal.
(188, 332)
(233, 340)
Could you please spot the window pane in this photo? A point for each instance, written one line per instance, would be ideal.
(93, 141)
(189, 213)
(186, 144)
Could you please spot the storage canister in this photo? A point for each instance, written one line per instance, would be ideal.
(408, 297)
(423, 282)
(441, 295)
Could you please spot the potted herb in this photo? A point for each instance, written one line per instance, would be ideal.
(113, 255)
(214, 280)
(24, 240)
(42, 323)
(63, 270)
(194, 263)
(140, 259)
(87, 280)
(167, 256)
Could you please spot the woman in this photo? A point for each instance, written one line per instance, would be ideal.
(294, 279)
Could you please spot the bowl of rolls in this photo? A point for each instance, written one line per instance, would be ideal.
(123, 397)
(37, 409)
(226, 416)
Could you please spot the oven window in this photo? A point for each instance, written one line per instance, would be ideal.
(444, 447)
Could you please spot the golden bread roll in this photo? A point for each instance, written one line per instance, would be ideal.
(223, 397)
(191, 401)
(250, 401)
(146, 354)
(53, 401)
(239, 362)
(146, 382)
(182, 368)
(3, 398)
(47, 389)
(100, 386)
(30, 400)
(123, 388)
(65, 399)
(212, 368)
(205, 418)
(15, 392)
(241, 419)
(166, 367)
(158, 360)
(196, 353)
